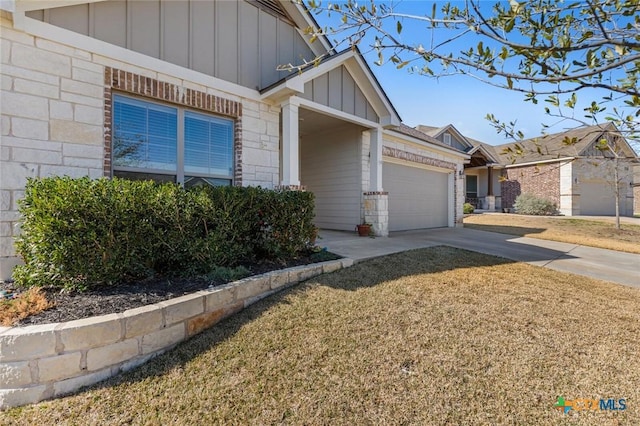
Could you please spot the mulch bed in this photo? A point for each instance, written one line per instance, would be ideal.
(71, 306)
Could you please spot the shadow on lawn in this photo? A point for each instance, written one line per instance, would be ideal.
(505, 229)
(365, 274)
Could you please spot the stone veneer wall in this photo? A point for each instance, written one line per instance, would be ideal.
(542, 180)
(376, 212)
(46, 361)
(53, 119)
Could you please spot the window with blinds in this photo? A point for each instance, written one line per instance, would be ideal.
(165, 143)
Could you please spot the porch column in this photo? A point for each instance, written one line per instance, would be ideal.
(490, 199)
(290, 144)
(376, 201)
(375, 179)
(490, 183)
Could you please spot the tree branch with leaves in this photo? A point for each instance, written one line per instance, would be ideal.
(541, 48)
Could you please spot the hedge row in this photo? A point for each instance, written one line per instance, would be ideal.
(79, 233)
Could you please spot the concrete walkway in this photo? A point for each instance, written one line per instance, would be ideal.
(609, 265)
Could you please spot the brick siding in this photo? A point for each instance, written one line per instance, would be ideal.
(541, 180)
(129, 82)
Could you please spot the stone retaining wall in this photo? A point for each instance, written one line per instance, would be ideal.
(46, 361)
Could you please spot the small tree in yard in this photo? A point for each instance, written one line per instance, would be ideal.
(544, 49)
(613, 153)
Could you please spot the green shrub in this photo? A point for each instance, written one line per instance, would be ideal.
(222, 273)
(79, 233)
(467, 208)
(533, 205)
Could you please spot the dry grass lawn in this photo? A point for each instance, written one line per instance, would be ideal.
(593, 233)
(432, 336)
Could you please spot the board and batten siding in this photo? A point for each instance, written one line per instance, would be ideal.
(338, 90)
(236, 41)
(330, 167)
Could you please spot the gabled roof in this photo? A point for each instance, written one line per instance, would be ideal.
(486, 150)
(556, 146)
(354, 61)
(437, 131)
(410, 131)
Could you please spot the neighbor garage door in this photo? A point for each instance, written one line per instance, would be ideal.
(597, 199)
(417, 197)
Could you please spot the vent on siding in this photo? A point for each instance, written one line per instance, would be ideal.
(273, 7)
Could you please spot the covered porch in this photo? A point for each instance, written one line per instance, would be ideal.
(332, 119)
(482, 180)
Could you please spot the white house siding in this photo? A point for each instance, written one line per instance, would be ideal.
(236, 41)
(53, 118)
(331, 169)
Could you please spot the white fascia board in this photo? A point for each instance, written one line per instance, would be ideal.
(492, 165)
(8, 5)
(79, 41)
(533, 163)
(484, 151)
(390, 121)
(27, 5)
(295, 85)
(402, 138)
(302, 20)
(323, 109)
(326, 66)
(352, 61)
(290, 87)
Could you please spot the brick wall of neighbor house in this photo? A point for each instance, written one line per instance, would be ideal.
(53, 119)
(542, 180)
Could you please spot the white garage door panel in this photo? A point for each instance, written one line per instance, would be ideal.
(597, 199)
(417, 197)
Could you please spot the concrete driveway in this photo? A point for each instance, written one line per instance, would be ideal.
(609, 265)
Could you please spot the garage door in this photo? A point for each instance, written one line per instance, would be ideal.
(417, 197)
(598, 199)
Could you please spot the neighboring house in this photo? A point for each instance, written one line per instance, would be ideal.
(569, 169)
(566, 168)
(481, 173)
(188, 91)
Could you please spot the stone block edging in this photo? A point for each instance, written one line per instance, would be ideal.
(47, 361)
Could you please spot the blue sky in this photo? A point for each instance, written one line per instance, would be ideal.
(459, 100)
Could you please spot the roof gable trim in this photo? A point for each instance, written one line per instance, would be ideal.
(360, 73)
